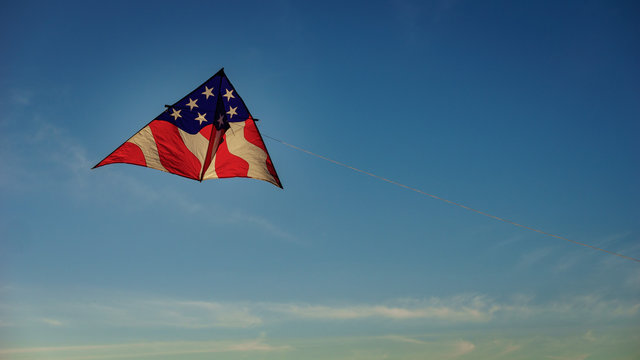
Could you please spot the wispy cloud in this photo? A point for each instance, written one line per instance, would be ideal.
(404, 339)
(39, 150)
(615, 242)
(533, 257)
(20, 97)
(461, 348)
(591, 303)
(156, 312)
(196, 314)
(430, 310)
(509, 349)
(148, 349)
(612, 238)
(52, 322)
(466, 308)
(589, 336)
(572, 357)
(169, 313)
(269, 227)
(470, 342)
(633, 279)
(185, 203)
(463, 308)
(132, 312)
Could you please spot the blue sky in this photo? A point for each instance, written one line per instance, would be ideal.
(525, 110)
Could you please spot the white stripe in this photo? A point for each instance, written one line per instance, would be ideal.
(255, 156)
(144, 140)
(196, 143)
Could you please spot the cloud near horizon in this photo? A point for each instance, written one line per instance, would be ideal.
(149, 312)
(146, 349)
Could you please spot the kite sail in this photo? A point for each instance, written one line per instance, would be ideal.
(208, 134)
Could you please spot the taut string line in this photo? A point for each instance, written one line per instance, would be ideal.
(449, 201)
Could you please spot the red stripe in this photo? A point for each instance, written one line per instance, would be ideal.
(253, 136)
(174, 155)
(127, 153)
(215, 138)
(207, 131)
(228, 165)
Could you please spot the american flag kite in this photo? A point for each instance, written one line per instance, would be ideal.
(208, 134)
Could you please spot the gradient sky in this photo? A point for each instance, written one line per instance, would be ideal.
(527, 110)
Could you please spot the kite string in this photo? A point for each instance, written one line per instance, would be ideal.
(450, 202)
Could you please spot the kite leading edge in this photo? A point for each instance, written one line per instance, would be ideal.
(208, 134)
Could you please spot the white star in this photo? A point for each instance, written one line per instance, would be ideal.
(192, 104)
(232, 111)
(229, 94)
(220, 120)
(207, 92)
(201, 118)
(176, 114)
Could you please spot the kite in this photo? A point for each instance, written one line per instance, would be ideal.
(208, 134)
